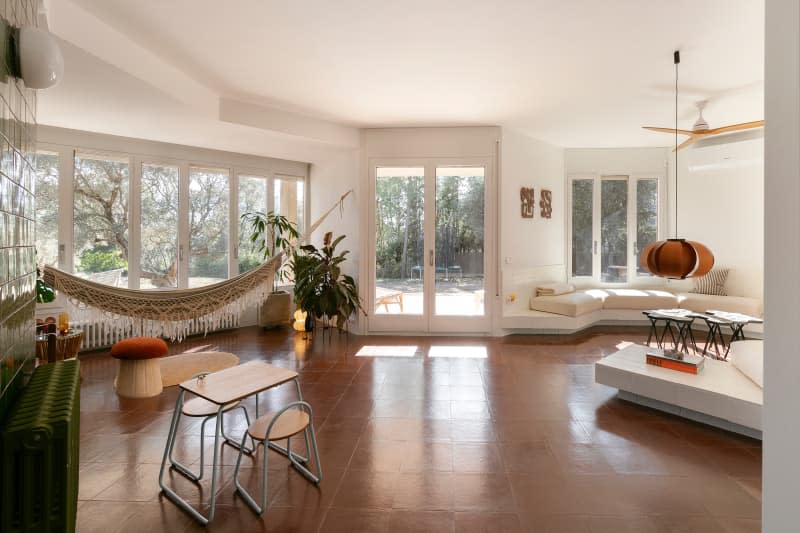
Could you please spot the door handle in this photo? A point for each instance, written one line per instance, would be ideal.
(180, 253)
(430, 257)
(595, 247)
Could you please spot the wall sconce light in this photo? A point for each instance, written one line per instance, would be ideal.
(33, 55)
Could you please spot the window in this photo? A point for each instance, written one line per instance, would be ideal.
(612, 219)
(208, 225)
(47, 208)
(129, 221)
(159, 227)
(100, 219)
(646, 218)
(582, 232)
(289, 200)
(252, 198)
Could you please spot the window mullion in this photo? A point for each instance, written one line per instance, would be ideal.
(134, 223)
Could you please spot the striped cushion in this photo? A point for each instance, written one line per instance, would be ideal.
(712, 283)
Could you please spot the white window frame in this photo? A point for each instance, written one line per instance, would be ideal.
(66, 170)
(632, 177)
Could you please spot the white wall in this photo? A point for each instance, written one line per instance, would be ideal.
(781, 471)
(721, 204)
(531, 249)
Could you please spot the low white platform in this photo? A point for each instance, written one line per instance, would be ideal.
(720, 395)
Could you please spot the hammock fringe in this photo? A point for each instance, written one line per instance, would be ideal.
(173, 314)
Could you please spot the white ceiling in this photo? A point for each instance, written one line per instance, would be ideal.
(575, 73)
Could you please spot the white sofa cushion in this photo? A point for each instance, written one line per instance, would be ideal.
(748, 357)
(700, 303)
(639, 299)
(571, 304)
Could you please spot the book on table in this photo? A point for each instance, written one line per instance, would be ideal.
(675, 360)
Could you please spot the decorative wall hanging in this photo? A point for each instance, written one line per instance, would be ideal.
(527, 202)
(546, 203)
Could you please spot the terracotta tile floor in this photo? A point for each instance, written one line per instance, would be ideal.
(521, 440)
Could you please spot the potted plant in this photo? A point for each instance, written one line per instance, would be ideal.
(320, 287)
(271, 233)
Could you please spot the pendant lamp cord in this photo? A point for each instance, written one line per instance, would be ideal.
(677, 59)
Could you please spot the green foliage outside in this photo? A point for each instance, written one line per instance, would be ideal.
(101, 258)
(400, 224)
(613, 225)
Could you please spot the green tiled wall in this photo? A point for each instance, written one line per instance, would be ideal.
(17, 254)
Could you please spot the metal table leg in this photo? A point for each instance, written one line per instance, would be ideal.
(171, 494)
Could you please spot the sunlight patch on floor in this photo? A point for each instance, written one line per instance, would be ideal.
(459, 352)
(387, 351)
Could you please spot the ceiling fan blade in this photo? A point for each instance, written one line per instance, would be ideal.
(668, 130)
(736, 127)
(685, 143)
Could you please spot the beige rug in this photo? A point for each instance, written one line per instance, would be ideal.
(178, 368)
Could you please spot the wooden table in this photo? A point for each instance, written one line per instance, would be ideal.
(221, 388)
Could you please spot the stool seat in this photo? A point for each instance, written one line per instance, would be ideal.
(290, 423)
(139, 348)
(139, 374)
(202, 407)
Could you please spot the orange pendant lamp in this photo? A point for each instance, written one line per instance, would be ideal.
(677, 258)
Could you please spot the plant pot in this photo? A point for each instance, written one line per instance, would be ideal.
(276, 311)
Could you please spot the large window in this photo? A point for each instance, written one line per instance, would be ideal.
(100, 218)
(136, 222)
(612, 219)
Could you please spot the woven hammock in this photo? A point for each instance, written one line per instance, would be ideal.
(171, 313)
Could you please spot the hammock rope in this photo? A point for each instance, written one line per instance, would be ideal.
(172, 313)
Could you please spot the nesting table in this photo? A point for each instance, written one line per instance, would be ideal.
(222, 388)
(680, 321)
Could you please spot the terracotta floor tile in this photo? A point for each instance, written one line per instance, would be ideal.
(544, 495)
(421, 522)
(427, 456)
(426, 491)
(483, 492)
(96, 477)
(477, 457)
(365, 489)
(479, 522)
(352, 520)
(537, 523)
(379, 455)
(101, 517)
(529, 457)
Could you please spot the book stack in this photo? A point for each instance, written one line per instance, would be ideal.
(675, 360)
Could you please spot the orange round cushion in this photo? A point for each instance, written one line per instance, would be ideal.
(139, 348)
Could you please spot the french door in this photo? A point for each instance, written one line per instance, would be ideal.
(431, 248)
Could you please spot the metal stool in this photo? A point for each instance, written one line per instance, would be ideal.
(200, 407)
(293, 419)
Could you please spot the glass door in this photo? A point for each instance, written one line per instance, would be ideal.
(398, 287)
(459, 289)
(429, 248)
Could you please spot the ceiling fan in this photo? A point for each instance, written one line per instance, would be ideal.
(701, 129)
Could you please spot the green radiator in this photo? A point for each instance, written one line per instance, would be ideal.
(40, 453)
